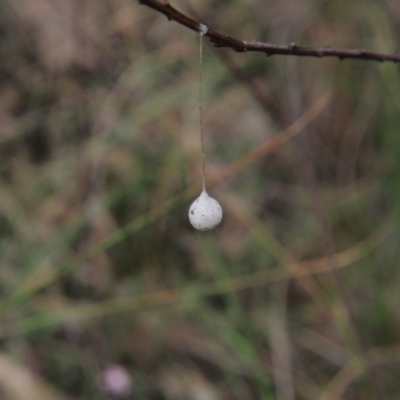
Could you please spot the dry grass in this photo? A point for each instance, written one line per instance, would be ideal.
(294, 296)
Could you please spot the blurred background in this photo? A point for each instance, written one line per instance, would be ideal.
(106, 290)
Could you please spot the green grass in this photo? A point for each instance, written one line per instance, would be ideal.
(100, 160)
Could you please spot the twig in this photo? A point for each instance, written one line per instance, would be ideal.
(220, 40)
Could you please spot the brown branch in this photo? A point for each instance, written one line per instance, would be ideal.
(220, 40)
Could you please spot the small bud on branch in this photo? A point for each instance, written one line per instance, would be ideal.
(220, 40)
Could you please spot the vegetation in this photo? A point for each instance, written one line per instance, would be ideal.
(106, 289)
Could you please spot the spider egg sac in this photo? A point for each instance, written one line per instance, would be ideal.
(205, 212)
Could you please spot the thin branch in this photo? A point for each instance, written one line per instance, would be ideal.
(220, 40)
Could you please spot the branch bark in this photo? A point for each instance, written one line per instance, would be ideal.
(220, 40)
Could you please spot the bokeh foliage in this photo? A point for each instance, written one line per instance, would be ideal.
(100, 159)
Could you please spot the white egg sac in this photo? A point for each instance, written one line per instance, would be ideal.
(205, 212)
